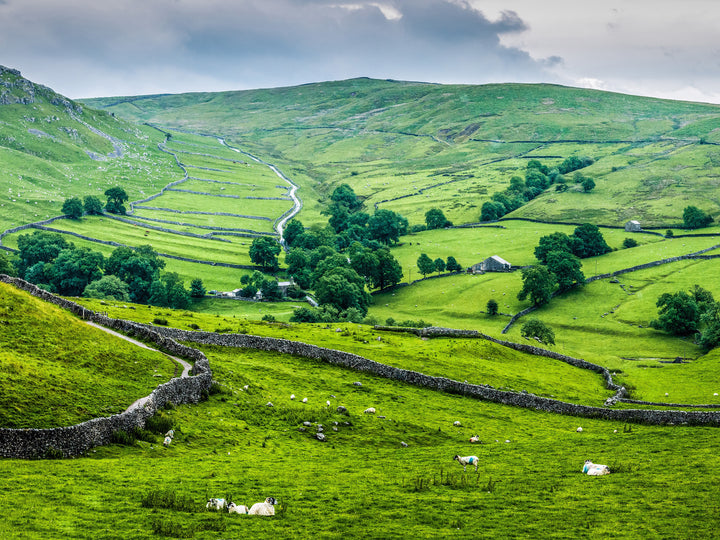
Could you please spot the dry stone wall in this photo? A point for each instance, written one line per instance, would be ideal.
(77, 439)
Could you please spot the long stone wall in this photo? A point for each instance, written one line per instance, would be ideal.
(77, 439)
(478, 391)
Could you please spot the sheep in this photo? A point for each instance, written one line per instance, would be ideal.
(579, 430)
(170, 433)
(216, 504)
(369, 410)
(595, 469)
(292, 396)
(456, 423)
(167, 441)
(467, 460)
(237, 508)
(264, 508)
(475, 439)
(304, 400)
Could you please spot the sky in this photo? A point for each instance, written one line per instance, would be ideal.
(93, 48)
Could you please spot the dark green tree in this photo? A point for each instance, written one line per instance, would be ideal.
(342, 288)
(588, 184)
(73, 208)
(74, 269)
(345, 196)
(293, 229)
(694, 218)
(177, 296)
(108, 288)
(305, 314)
(364, 262)
(709, 338)
(566, 268)
(492, 211)
(386, 226)
(678, 314)
(264, 252)
(453, 265)
(435, 219)
(6, 265)
(439, 265)
(492, 307)
(536, 329)
(388, 271)
(139, 268)
(270, 290)
(556, 241)
(538, 284)
(93, 205)
(425, 264)
(629, 243)
(157, 294)
(197, 290)
(116, 196)
(297, 260)
(339, 218)
(40, 246)
(591, 242)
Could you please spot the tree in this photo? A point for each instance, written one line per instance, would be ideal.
(566, 269)
(116, 196)
(492, 307)
(709, 338)
(629, 243)
(435, 219)
(538, 283)
(439, 265)
(264, 252)
(694, 218)
(453, 265)
(6, 265)
(339, 218)
(343, 288)
(492, 211)
(678, 314)
(388, 271)
(587, 184)
(425, 264)
(591, 241)
(536, 329)
(197, 290)
(292, 231)
(386, 226)
(556, 241)
(345, 196)
(297, 260)
(108, 288)
(305, 314)
(573, 163)
(38, 247)
(139, 268)
(157, 294)
(93, 205)
(73, 208)
(74, 269)
(270, 289)
(364, 262)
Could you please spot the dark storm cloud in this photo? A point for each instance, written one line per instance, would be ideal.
(176, 45)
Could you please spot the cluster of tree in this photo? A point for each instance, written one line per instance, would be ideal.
(91, 205)
(268, 287)
(686, 313)
(427, 266)
(560, 268)
(538, 178)
(341, 261)
(49, 261)
(538, 330)
(694, 218)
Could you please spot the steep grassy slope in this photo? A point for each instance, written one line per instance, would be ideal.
(55, 370)
(413, 146)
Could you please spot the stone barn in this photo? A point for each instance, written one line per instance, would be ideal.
(492, 264)
(633, 226)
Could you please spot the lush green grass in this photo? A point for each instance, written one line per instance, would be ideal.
(362, 478)
(55, 370)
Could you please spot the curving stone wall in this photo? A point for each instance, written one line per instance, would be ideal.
(74, 440)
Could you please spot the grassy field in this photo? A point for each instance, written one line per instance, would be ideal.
(528, 483)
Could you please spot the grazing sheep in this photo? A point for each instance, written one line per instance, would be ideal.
(170, 433)
(292, 396)
(369, 410)
(579, 430)
(456, 423)
(237, 508)
(216, 504)
(475, 439)
(467, 460)
(167, 441)
(594, 469)
(304, 400)
(264, 508)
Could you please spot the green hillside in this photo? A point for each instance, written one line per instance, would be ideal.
(409, 147)
(57, 371)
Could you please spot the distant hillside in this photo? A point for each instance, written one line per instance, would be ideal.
(52, 148)
(55, 370)
(413, 146)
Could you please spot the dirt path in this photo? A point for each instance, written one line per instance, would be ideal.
(185, 365)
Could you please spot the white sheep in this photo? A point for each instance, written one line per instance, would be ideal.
(264, 508)
(467, 460)
(167, 441)
(595, 469)
(170, 433)
(456, 423)
(579, 430)
(475, 439)
(216, 504)
(304, 400)
(369, 410)
(292, 396)
(237, 508)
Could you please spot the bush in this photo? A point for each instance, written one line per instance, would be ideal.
(629, 243)
(268, 318)
(536, 329)
(159, 321)
(390, 321)
(159, 423)
(669, 233)
(492, 307)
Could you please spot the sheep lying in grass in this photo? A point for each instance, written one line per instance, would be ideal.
(467, 460)
(216, 504)
(266, 508)
(475, 439)
(237, 508)
(595, 469)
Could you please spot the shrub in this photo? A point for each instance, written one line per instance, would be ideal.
(536, 329)
(492, 307)
(159, 321)
(629, 243)
(268, 317)
(159, 423)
